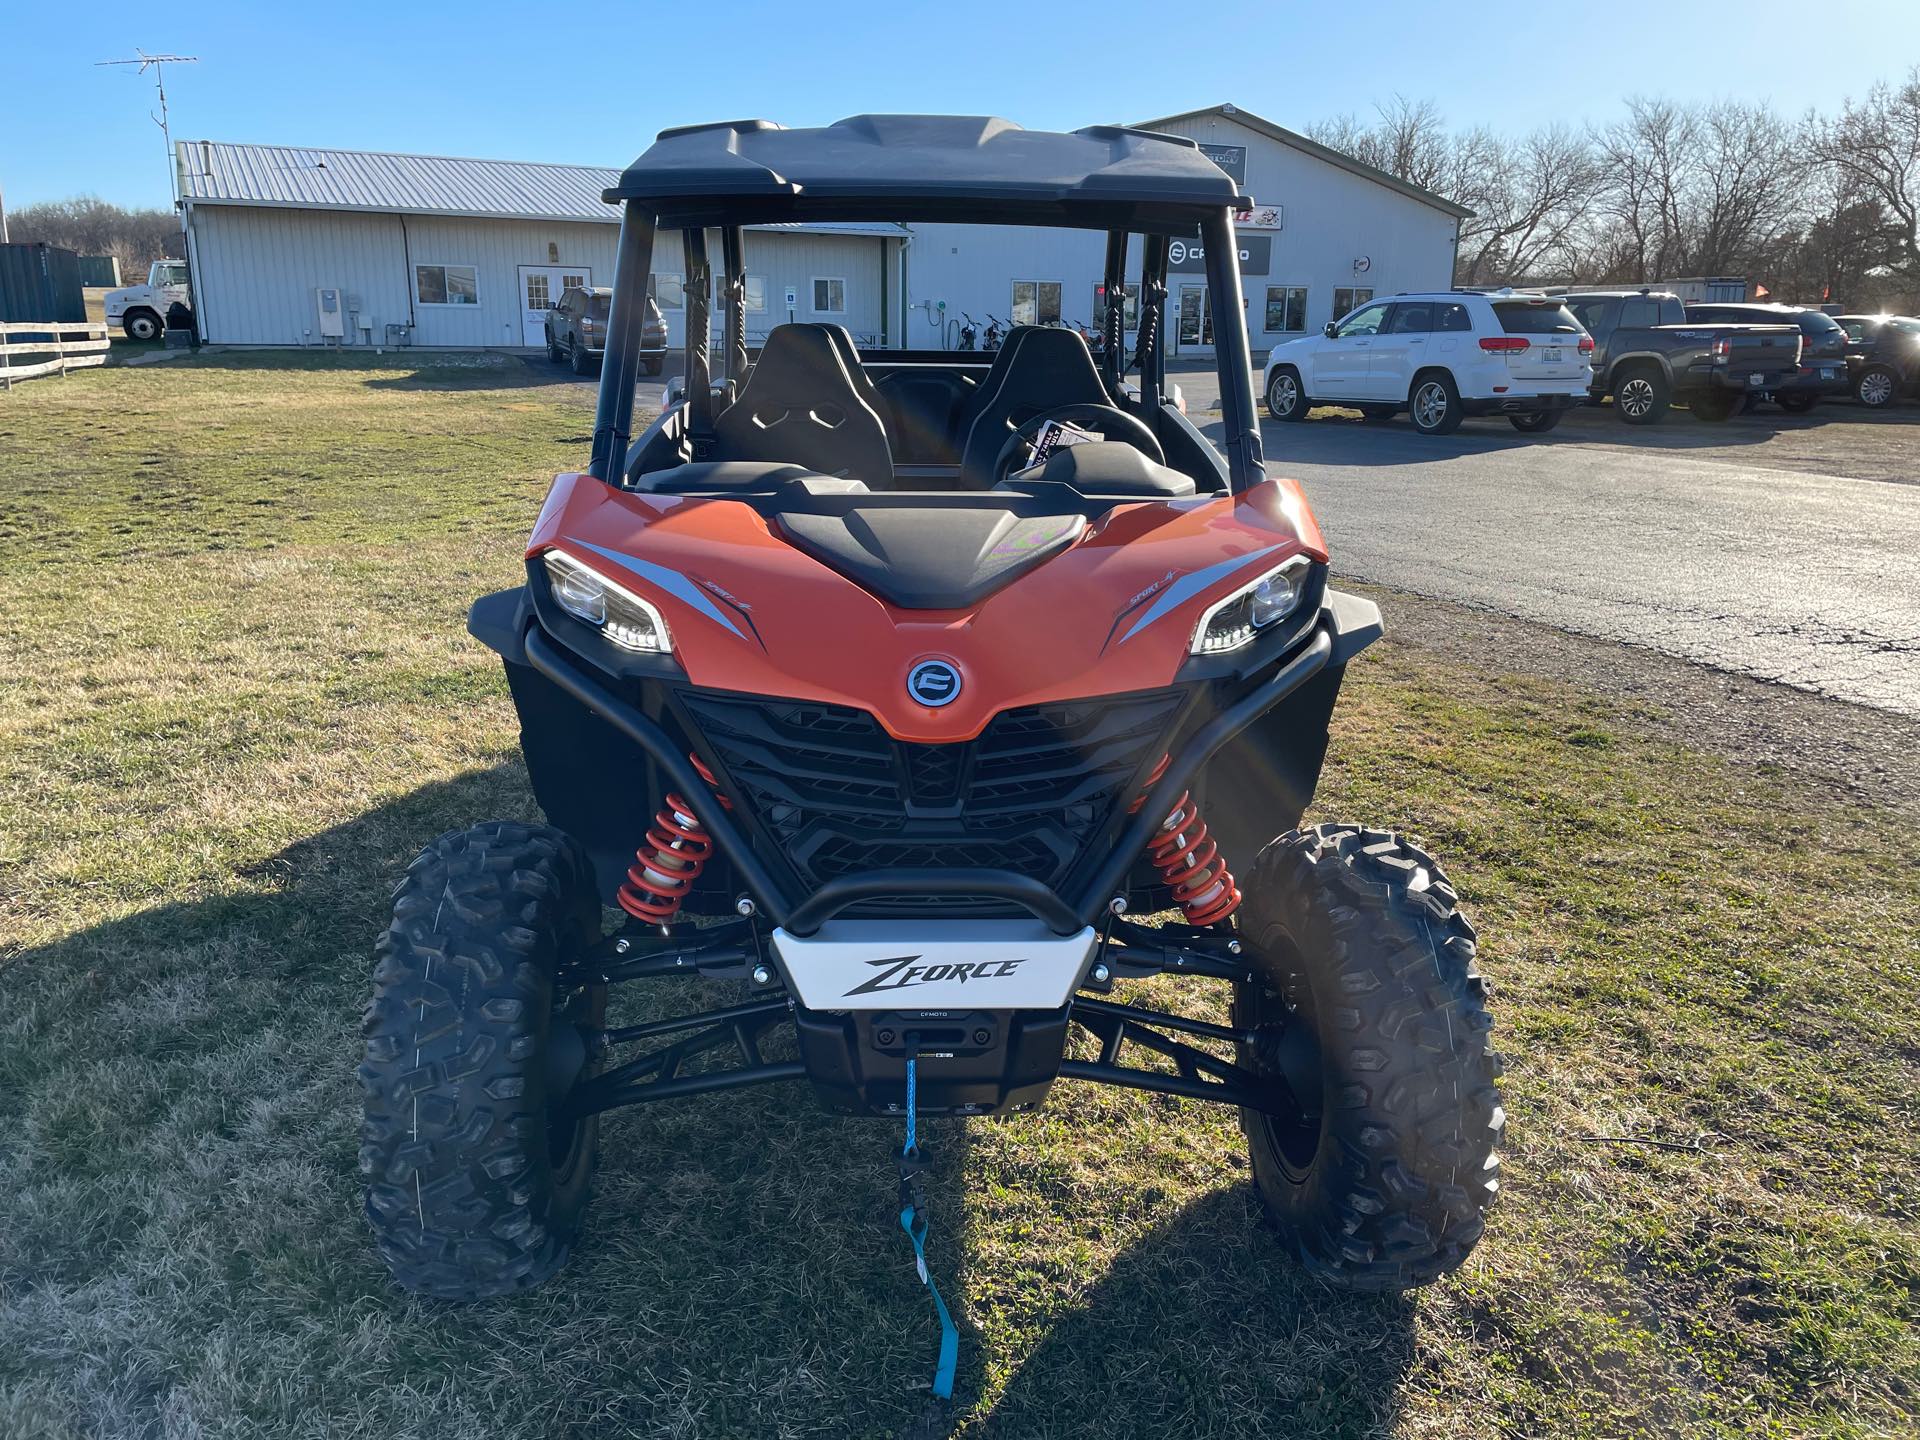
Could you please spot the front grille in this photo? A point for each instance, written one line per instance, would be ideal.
(838, 796)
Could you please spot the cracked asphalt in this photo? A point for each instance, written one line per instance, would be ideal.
(1780, 548)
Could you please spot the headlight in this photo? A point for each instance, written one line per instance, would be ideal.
(622, 616)
(1234, 621)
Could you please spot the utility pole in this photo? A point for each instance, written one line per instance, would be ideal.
(158, 64)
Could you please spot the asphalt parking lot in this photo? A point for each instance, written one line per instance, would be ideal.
(1772, 546)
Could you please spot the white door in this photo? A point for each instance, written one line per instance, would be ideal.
(1341, 360)
(540, 290)
(1399, 350)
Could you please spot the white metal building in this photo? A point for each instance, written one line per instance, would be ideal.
(433, 251)
(1325, 234)
(287, 244)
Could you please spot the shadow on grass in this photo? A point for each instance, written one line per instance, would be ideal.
(180, 1228)
(1205, 1326)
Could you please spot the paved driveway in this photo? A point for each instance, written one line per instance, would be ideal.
(1787, 549)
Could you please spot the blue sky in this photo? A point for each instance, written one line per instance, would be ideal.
(591, 82)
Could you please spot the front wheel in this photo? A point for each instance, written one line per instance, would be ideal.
(1876, 387)
(476, 1172)
(141, 325)
(1536, 422)
(1367, 1013)
(1433, 404)
(1285, 399)
(1642, 395)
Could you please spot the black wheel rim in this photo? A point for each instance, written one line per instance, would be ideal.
(1286, 1048)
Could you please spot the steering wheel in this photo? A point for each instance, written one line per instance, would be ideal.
(1105, 421)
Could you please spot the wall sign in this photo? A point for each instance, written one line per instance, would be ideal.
(1230, 158)
(1260, 217)
(1189, 257)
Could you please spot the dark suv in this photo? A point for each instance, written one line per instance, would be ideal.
(577, 330)
(1883, 357)
(1823, 348)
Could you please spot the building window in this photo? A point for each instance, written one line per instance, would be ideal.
(829, 296)
(446, 284)
(1345, 301)
(539, 297)
(667, 291)
(1036, 302)
(1286, 308)
(1131, 318)
(756, 288)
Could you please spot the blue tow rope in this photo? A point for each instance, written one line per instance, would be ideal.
(913, 1220)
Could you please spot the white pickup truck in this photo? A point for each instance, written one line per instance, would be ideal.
(141, 310)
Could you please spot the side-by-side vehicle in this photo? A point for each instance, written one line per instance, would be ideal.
(830, 690)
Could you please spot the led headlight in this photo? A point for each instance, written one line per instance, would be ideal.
(619, 614)
(1234, 621)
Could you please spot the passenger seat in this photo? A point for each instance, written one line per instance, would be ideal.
(801, 405)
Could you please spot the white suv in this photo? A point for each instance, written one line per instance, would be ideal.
(1440, 357)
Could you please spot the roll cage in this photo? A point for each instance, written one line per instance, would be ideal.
(1121, 182)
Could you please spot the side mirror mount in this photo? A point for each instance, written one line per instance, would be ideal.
(1330, 330)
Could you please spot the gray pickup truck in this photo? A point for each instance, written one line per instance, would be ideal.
(1647, 355)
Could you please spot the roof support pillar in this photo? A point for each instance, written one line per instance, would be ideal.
(1245, 465)
(1113, 279)
(620, 369)
(699, 299)
(1149, 358)
(733, 260)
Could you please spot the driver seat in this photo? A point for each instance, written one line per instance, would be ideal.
(1039, 368)
(799, 406)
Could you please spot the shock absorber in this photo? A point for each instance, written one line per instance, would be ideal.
(677, 849)
(1188, 858)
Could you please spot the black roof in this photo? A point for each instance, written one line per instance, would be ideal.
(925, 167)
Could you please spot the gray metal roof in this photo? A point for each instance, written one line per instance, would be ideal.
(215, 172)
(1339, 158)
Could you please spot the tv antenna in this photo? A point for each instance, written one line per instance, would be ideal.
(158, 64)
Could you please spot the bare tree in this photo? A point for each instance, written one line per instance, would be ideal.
(89, 225)
(1409, 140)
(1876, 145)
(1531, 199)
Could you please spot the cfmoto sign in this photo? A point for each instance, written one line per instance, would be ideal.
(1189, 257)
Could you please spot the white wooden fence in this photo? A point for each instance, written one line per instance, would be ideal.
(41, 347)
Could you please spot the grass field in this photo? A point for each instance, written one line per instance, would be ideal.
(236, 695)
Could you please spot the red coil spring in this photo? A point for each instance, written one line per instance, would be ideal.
(677, 850)
(1188, 858)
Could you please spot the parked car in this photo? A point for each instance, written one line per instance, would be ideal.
(577, 330)
(1883, 357)
(140, 310)
(1823, 348)
(1649, 355)
(1440, 357)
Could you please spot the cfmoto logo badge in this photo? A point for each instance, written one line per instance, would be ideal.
(934, 683)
